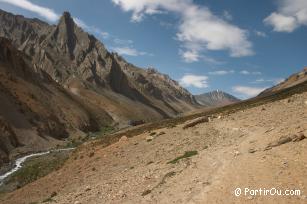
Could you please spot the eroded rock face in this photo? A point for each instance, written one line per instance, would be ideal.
(35, 110)
(57, 79)
(8, 141)
(67, 53)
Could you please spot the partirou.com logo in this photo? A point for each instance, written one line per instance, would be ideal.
(266, 192)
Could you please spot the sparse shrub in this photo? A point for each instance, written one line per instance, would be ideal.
(146, 192)
(185, 155)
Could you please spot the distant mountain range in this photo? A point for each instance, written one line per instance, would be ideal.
(216, 98)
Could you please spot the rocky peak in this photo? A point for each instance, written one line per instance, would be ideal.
(64, 34)
(216, 98)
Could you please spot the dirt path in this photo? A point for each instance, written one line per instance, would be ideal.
(232, 153)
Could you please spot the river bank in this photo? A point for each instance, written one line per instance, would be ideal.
(31, 167)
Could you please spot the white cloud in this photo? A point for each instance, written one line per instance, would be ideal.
(197, 81)
(260, 33)
(227, 15)
(91, 29)
(274, 81)
(291, 14)
(248, 91)
(245, 72)
(52, 16)
(189, 56)
(129, 51)
(122, 42)
(211, 60)
(222, 72)
(281, 23)
(44, 12)
(199, 28)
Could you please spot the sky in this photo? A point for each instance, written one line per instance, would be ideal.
(238, 46)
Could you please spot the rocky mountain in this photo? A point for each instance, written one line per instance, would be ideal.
(36, 112)
(81, 63)
(216, 98)
(59, 81)
(291, 81)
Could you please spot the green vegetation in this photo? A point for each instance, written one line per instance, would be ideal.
(152, 133)
(34, 169)
(169, 174)
(91, 135)
(103, 131)
(163, 181)
(185, 155)
(146, 192)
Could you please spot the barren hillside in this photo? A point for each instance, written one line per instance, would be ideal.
(193, 162)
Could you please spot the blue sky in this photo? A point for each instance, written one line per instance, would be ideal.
(237, 46)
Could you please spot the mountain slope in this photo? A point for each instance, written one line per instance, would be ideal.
(260, 146)
(216, 98)
(81, 64)
(291, 81)
(36, 113)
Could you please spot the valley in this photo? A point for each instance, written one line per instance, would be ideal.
(231, 150)
(81, 124)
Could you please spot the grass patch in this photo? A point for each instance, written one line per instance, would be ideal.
(91, 135)
(34, 169)
(103, 131)
(187, 154)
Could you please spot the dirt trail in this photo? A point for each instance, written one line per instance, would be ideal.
(232, 153)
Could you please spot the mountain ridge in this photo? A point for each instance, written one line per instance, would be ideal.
(59, 83)
(216, 98)
(80, 62)
(291, 81)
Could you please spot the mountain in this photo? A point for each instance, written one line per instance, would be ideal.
(36, 112)
(58, 81)
(291, 81)
(82, 65)
(257, 142)
(216, 98)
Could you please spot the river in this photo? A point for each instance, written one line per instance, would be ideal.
(19, 162)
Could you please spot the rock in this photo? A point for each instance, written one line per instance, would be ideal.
(306, 103)
(298, 137)
(149, 138)
(282, 140)
(196, 121)
(88, 188)
(237, 153)
(91, 154)
(77, 202)
(123, 139)
(53, 194)
(161, 133)
(252, 150)
(146, 192)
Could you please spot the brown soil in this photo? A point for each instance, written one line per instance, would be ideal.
(231, 152)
